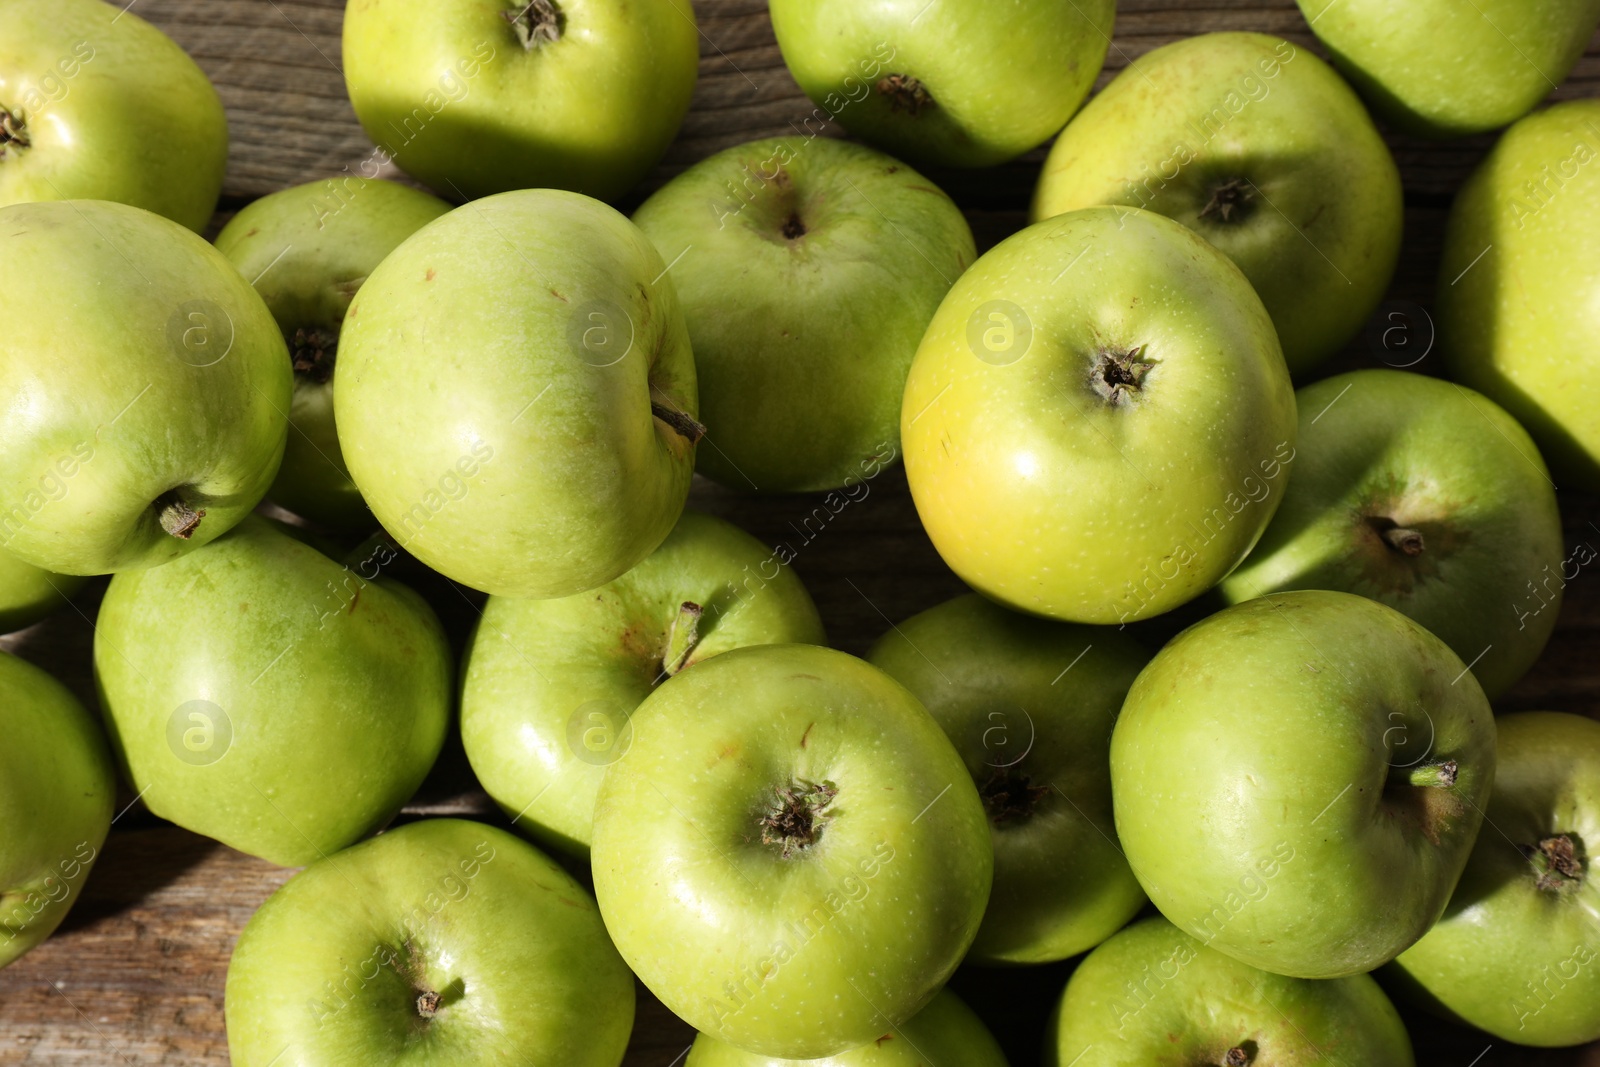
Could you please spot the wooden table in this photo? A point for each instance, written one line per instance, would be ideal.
(135, 975)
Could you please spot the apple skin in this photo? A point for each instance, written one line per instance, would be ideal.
(802, 343)
(1260, 775)
(890, 871)
(137, 367)
(1017, 445)
(111, 109)
(56, 791)
(331, 968)
(1518, 321)
(1432, 70)
(1032, 720)
(261, 694)
(307, 250)
(1384, 452)
(445, 360)
(1318, 229)
(1511, 956)
(1201, 1005)
(1002, 78)
(944, 1034)
(28, 594)
(536, 672)
(447, 89)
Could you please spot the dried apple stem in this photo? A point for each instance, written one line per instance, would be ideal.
(178, 518)
(681, 423)
(1404, 540)
(682, 637)
(1434, 775)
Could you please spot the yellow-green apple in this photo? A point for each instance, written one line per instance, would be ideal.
(808, 271)
(1298, 781)
(1099, 422)
(516, 395)
(953, 84)
(1518, 951)
(97, 104)
(143, 384)
(442, 942)
(262, 694)
(480, 96)
(549, 686)
(1519, 284)
(1427, 497)
(1029, 705)
(56, 791)
(791, 856)
(307, 250)
(1259, 147)
(1438, 70)
(1155, 995)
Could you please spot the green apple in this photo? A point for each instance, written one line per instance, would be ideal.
(1029, 705)
(791, 855)
(97, 104)
(1299, 779)
(441, 942)
(944, 1034)
(259, 693)
(481, 96)
(1429, 498)
(1098, 423)
(56, 791)
(962, 83)
(549, 686)
(516, 395)
(307, 250)
(1436, 69)
(1518, 951)
(1519, 285)
(1154, 995)
(1259, 147)
(28, 594)
(808, 271)
(145, 388)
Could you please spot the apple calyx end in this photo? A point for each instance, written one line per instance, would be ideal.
(1010, 797)
(13, 131)
(905, 93)
(1238, 1056)
(536, 24)
(313, 352)
(682, 638)
(1229, 199)
(1557, 862)
(794, 227)
(796, 818)
(680, 422)
(177, 517)
(1118, 375)
(428, 1004)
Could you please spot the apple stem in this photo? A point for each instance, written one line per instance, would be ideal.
(1434, 775)
(313, 350)
(13, 130)
(681, 423)
(798, 816)
(428, 1004)
(538, 23)
(1557, 861)
(682, 637)
(905, 93)
(1404, 540)
(177, 517)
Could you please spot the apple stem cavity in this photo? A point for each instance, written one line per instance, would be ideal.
(536, 24)
(428, 1004)
(177, 517)
(1434, 775)
(905, 93)
(13, 131)
(1405, 541)
(682, 637)
(313, 351)
(1119, 375)
(1557, 861)
(797, 817)
(1008, 796)
(681, 422)
(1231, 197)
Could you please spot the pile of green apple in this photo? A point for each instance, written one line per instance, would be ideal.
(1301, 804)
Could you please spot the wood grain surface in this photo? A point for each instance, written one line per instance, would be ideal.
(136, 974)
